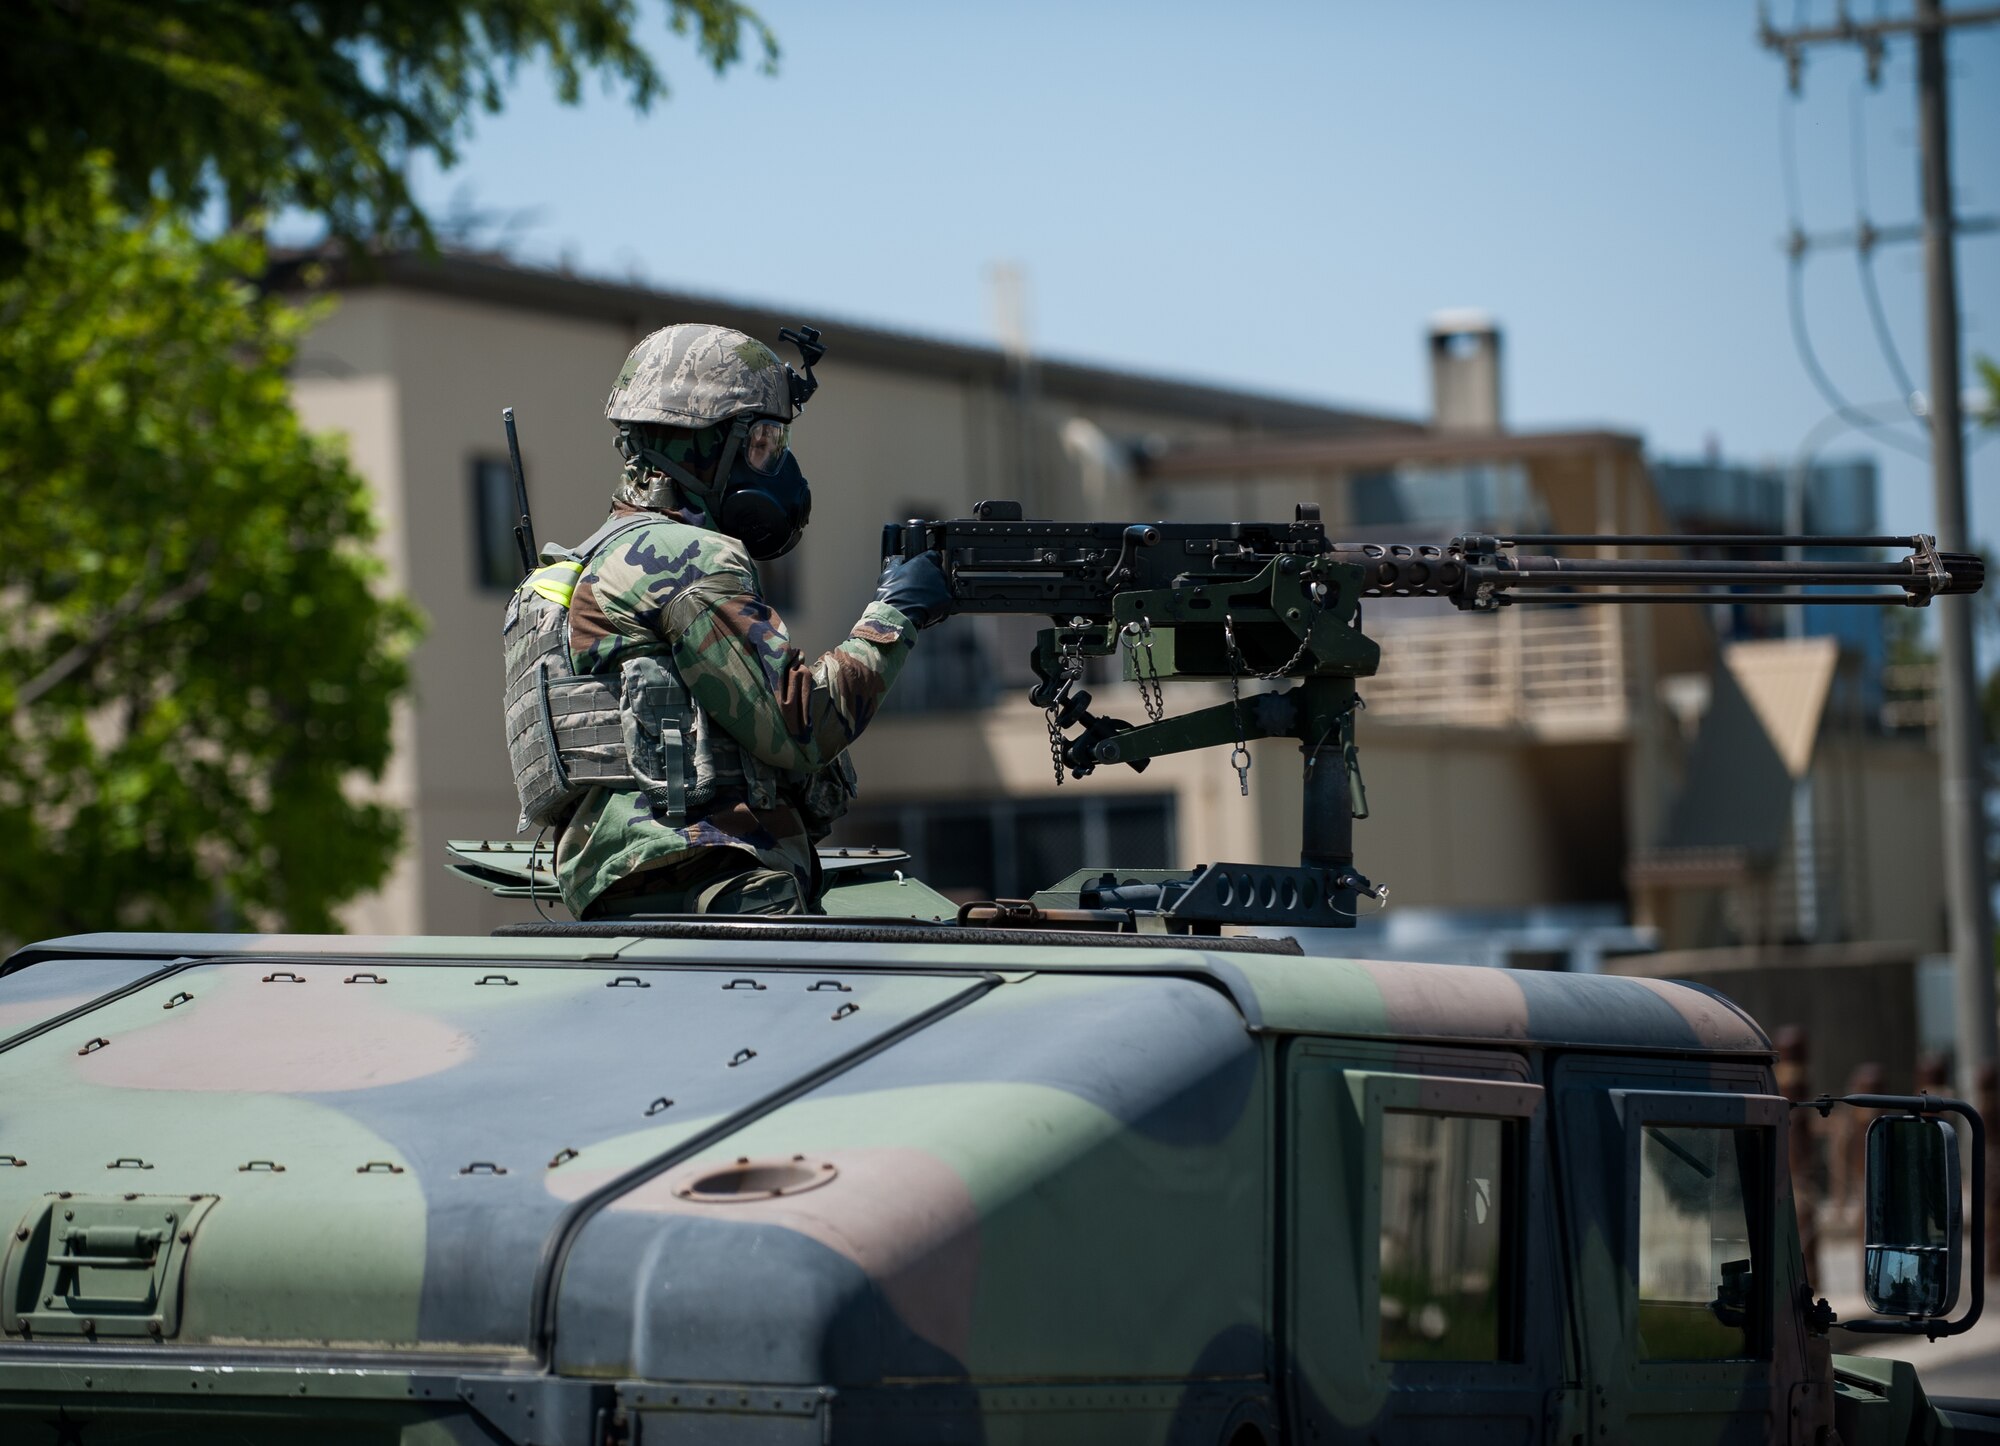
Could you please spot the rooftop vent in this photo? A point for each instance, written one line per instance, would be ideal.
(1465, 372)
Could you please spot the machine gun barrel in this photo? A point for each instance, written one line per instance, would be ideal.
(1924, 574)
(1239, 602)
(999, 562)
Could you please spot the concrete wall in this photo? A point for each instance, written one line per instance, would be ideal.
(1882, 795)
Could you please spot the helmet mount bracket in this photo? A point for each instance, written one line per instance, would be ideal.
(811, 349)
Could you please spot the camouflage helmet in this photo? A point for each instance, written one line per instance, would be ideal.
(695, 375)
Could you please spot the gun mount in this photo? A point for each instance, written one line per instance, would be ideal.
(1242, 602)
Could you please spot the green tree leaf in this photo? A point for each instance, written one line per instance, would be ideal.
(198, 655)
(1989, 377)
(316, 104)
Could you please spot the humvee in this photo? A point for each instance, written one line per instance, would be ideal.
(1079, 1168)
(870, 1180)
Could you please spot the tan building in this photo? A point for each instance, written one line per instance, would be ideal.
(1529, 763)
(419, 357)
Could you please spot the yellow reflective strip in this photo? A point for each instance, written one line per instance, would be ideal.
(550, 582)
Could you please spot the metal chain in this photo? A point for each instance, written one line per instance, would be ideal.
(1069, 669)
(1140, 635)
(1284, 669)
(1317, 591)
(1239, 756)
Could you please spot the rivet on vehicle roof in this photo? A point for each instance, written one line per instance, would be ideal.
(662, 1103)
(742, 1056)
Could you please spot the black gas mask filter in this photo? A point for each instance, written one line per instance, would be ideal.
(765, 501)
(766, 512)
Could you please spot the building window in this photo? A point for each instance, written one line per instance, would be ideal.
(1446, 1217)
(1702, 1271)
(496, 562)
(1441, 500)
(952, 672)
(1008, 848)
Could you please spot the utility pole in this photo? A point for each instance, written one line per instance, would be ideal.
(1963, 800)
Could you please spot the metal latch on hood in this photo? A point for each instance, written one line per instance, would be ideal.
(84, 1265)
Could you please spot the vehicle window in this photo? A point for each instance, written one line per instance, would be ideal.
(1701, 1252)
(1447, 1210)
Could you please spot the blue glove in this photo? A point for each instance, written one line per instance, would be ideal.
(916, 588)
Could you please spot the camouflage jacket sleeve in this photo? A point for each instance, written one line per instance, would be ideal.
(734, 654)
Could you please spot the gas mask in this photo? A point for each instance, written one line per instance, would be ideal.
(764, 500)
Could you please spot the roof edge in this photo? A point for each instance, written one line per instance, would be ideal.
(641, 309)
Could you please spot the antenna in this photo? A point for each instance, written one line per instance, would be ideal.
(524, 528)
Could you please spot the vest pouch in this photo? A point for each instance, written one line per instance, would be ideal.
(721, 764)
(568, 734)
(825, 796)
(544, 715)
(655, 719)
(584, 712)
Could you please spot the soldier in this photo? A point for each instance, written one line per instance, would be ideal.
(732, 745)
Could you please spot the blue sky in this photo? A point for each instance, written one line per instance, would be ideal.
(1276, 196)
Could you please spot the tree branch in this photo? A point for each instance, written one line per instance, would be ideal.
(129, 607)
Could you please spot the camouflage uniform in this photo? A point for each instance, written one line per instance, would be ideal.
(682, 589)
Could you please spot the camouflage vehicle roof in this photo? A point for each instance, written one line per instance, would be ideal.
(1278, 990)
(465, 1165)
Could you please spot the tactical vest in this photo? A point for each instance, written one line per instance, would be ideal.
(568, 733)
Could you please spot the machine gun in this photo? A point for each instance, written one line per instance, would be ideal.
(1237, 602)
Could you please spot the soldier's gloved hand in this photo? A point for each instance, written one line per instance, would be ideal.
(916, 588)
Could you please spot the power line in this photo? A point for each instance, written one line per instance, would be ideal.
(1864, 249)
(1865, 237)
(1962, 781)
(1854, 416)
(1798, 245)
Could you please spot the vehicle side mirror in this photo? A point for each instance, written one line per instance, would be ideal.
(1913, 1228)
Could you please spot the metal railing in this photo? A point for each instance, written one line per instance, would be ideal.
(1548, 673)
(1910, 701)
